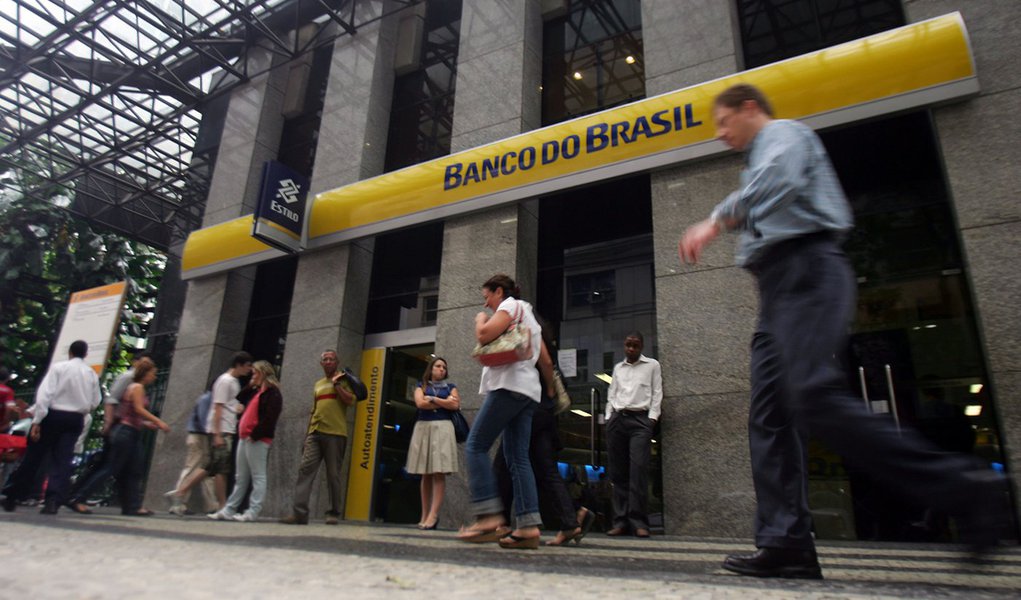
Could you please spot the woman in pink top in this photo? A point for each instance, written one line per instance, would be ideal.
(127, 454)
(262, 402)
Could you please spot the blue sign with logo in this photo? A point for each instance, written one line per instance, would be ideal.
(280, 215)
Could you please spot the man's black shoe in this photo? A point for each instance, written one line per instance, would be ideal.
(8, 504)
(792, 563)
(49, 508)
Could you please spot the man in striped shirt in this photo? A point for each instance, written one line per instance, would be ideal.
(325, 441)
(793, 217)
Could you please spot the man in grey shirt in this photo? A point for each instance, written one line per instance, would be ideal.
(793, 216)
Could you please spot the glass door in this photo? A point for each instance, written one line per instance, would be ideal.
(595, 287)
(915, 353)
(396, 497)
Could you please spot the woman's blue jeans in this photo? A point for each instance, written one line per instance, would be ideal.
(509, 413)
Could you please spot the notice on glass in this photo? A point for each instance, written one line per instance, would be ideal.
(92, 315)
(568, 361)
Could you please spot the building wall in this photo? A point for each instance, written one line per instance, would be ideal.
(705, 313)
(498, 77)
(331, 287)
(215, 312)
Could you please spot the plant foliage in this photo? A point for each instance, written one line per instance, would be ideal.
(47, 253)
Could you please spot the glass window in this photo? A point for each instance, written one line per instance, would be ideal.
(422, 113)
(773, 30)
(404, 291)
(592, 289)
(592, 58)
(300, 134)
(268, 314)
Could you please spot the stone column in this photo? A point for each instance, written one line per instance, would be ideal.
(499, 70)
(331, 287)
(705, 314)
(978, 140)
(212, 325)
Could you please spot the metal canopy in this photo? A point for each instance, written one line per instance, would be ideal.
(102, 102)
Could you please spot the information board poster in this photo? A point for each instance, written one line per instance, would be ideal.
(92, 315)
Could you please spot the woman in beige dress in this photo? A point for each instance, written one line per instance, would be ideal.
(432, 452)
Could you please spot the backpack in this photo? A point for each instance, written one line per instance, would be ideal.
(199, 414)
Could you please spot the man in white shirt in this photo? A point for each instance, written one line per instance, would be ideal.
(632, 411)
(221, 424)
(68, 392)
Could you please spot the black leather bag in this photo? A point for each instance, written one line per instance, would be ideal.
(357, 387)
(461, 427)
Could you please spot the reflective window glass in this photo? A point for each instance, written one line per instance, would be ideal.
(592, 58)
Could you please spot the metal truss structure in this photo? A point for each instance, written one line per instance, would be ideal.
(102, 102)
(773, 30)
(592, 58)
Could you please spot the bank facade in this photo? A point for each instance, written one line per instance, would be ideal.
(569, 144)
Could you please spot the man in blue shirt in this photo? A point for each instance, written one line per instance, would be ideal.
(792, 217)
(198, 443)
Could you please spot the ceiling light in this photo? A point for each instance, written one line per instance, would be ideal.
(577, 75)
(630, 59)
(975, 388)
(581, 413)
(604, 378)
(973, 410)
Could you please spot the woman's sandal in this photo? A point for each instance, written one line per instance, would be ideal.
(586, 525)
(481, 536)
(565, 537)
(513, 542)
(79, 508)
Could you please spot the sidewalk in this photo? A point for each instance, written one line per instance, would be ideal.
(106, 555)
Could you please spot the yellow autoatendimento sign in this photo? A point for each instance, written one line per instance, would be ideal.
(365, 438)
(916, 65)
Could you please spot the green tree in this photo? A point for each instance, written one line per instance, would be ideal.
(46, 253)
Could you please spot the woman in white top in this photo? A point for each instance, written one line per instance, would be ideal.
(512, 393)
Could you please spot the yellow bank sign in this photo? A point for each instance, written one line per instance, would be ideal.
(910, 67)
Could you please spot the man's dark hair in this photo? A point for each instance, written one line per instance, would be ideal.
(79, 348)
(636, 334)
(240, 359)
(736, 95)
(4, 374)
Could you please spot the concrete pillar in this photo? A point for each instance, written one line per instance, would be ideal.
(212, 325)
(331, 287)
(978, 140)
(705, 314)
(499, 70)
